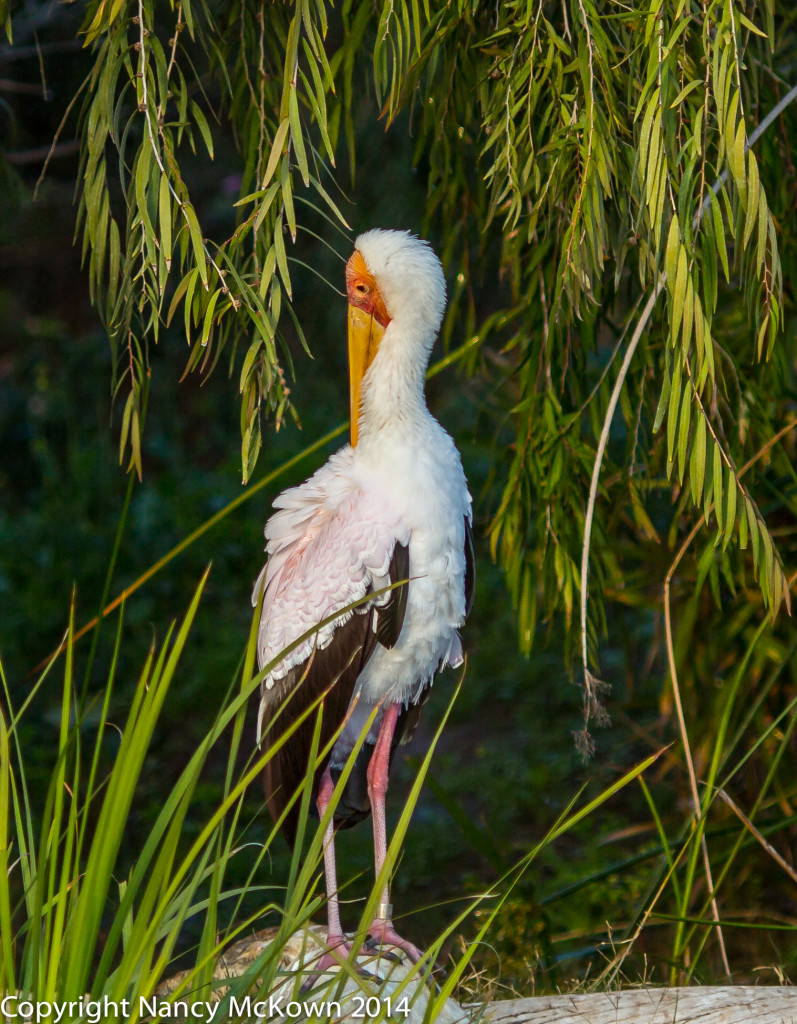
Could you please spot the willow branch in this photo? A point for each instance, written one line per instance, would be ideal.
(647, 312)
(152, 136)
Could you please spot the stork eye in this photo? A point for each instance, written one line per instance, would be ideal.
(361, 289)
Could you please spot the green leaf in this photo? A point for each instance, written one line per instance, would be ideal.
(678, 296)
(672, 412)
(683, 432)
(754, 533)
(719, 233)
(165, 220)
(743, 529)
(718, 483)
(269, 265)
(276, 153)
(142, 182)
(126, 419)
(207, 323)
(736, 160)
(697, 461)
(249, 361)
(688, 317)
(135, 442)
(763, 217)
(286, 186)
(179, 292)
(296, 135)
(661, 408)
(769, 554)
(265, 205)
(749, 25)
(203, 126)
(282, 259)
(673, 248)
(197, 242)
(752, 204)
(330, 203)
(684, 93)
(730, 512)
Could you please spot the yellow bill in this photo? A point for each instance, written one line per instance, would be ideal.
(365, 334)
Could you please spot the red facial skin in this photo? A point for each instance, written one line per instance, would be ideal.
(362, 290)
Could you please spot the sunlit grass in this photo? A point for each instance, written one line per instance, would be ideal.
(71, 925)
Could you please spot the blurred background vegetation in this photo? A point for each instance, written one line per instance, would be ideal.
(541, 312)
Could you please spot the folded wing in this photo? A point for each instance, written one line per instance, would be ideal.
(330, 544)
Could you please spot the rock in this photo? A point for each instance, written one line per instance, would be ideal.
(385, 985)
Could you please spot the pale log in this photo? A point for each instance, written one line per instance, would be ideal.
(740, 1004)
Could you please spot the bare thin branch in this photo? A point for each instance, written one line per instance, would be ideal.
(773, 853)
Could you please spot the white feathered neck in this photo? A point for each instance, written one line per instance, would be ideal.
(410, 278)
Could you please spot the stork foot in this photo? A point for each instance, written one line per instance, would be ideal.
(382, 934)
(338, 951)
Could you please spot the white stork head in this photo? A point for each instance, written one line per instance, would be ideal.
(397, 295)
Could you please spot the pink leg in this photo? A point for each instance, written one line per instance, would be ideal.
(338, 948)
(381, 929)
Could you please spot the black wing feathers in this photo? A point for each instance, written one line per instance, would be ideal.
(470, 567)
(390, 617)
(332, 672)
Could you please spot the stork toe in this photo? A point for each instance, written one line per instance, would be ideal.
(382, 933)
(337, 953)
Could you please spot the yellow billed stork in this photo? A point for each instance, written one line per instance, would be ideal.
(392, 505)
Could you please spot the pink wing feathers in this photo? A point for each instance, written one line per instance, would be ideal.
(329, 545)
